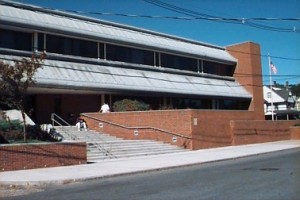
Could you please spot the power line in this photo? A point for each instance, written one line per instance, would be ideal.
(207, 17)
(243, 21)
(264, 55)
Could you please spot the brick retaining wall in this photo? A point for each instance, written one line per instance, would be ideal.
(30, 156)
(295, 132)
(193, 129)
(258, 131)
(170, 126)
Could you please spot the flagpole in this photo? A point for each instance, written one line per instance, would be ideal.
(271, 88)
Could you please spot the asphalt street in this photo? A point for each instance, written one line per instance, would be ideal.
(268, 176)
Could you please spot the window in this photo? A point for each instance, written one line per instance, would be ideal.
(131, 55)
(71, 46)
(205, 103)
(101, 51)
(218, 68)
(15, 40)
(178, 62)
(157, 59)
(41, 40)
(193, 103)
(233, 104)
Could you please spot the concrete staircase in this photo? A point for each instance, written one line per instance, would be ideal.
(102, 146)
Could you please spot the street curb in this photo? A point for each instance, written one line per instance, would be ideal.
(137, 171)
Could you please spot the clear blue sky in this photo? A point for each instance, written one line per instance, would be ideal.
(277, 44)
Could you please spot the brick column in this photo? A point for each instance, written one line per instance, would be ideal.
(248, 73)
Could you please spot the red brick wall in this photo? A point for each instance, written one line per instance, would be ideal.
(295, 133)
(249, 74)
(165, 126)
(69, 104)
(247, 132)
(193, 129)
(178, 121)
(30, 156)
(213, 127)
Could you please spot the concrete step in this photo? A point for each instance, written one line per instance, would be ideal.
(132, 149)
(99, 159)
(137, 147)
(102, 146)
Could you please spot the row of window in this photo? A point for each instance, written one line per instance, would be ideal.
(156, 103)
(84, 48)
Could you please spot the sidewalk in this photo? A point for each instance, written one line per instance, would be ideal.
(108, 168)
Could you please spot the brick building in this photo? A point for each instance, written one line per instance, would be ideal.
(90, 62)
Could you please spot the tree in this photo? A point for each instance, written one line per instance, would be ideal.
(296, 89)
(15, 78)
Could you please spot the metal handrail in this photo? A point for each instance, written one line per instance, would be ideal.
(137, 127)
(53, 115)
(93, 142)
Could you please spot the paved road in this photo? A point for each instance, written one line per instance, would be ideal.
(269, 176)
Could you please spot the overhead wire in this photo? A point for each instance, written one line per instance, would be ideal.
(193, 15)
(216, 18)
(243, 21)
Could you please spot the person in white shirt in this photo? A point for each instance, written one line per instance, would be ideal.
(104, 108)
(81, 124)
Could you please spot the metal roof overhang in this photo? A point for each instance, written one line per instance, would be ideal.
(63, 23)
(96, 78)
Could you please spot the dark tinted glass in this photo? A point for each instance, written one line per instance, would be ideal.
(15, 40)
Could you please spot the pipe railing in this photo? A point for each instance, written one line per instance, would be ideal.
(60, 121)
(54, 120)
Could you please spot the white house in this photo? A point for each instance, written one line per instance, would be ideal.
(281, 101)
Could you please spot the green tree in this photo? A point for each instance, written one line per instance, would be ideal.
(296, 89)
(15, 78)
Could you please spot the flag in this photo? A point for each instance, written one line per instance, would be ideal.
(273, 68)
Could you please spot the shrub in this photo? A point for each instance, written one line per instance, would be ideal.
(129, 105)
(10, 125)
(12, 131)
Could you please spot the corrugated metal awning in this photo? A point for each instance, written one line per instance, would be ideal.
(90, 77)
(63, 23)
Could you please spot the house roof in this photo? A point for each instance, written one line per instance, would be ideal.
(40, 19)
(104, 77)
(283, 93)
(279, 95)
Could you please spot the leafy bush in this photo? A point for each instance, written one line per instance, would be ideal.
(12, 131)
(10, 125)
(129, 105)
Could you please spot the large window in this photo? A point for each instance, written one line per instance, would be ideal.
(15, 40)
(71, 46)
(178, 62)
(218, 68)
(41, 42)
(192, 103)
(131, 55)
(233, 104)
(205, 103)
(78, 47)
